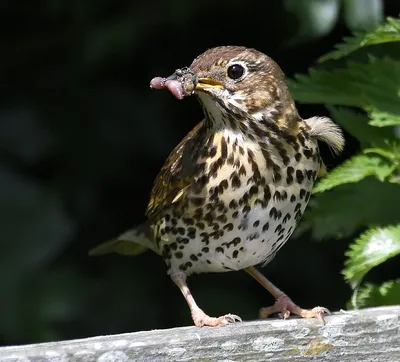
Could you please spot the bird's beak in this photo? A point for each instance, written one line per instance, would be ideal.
(207, 83)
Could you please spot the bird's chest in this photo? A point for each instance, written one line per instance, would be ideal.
(244, 212)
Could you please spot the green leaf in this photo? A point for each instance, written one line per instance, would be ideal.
(354, 170)
(372, 295)
(356, 123)
(383, 119)
(371, 85)
(390, 151)
(388, 32)
(350, 207)
(372, 248)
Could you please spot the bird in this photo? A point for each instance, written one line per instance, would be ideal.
(231, 193)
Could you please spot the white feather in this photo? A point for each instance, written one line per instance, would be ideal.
(323, 129)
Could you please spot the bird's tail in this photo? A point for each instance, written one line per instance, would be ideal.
(132, 242)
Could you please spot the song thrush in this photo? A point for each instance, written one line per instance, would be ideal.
(231, 193)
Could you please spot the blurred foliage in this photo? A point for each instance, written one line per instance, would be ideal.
(372, 86)
(82, 138)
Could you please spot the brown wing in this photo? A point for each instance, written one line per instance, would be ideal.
(177, 173)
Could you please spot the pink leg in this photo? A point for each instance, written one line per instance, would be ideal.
(284, 305)
(201, 319)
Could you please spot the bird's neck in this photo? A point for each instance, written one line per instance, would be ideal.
(276, 121)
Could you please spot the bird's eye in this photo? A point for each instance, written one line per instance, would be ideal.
(235, 71)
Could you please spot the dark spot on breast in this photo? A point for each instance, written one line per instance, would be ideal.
(233, 204)
(262, 203)
(191, 232)
(297, 156)
(235, 180)
(228, 227)
(223, 185)
(267, 193)
(214, 167)
(179, 255)
(293, 198)
(219, 250)
(256, 223)
(299, 176)
(289, 177)
(301, 139)
(194, 257)
(277, 196)
(273, 213)
(213, 151)
(265, 227)
(224, 149)
(308, 153)
(302, 193)
(235, 254)
(287, 218)
(235, 241)
(200, 225)
(253, 191)
(222, 218)
(188, 221)
(242, 171)
(277, 174)
(235, 143)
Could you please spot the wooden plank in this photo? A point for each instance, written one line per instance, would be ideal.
(364, 335)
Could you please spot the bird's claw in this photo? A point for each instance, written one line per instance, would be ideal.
(285, 306)
(201, 319)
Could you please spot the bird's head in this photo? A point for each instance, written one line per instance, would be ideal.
(239, 77)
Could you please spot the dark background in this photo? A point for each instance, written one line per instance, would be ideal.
(82, 138)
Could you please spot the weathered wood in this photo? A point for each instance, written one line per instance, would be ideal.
(365, 335)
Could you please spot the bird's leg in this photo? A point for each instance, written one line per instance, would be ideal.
(201, 319)
(283, 305)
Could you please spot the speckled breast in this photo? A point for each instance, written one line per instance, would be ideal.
(245, 212)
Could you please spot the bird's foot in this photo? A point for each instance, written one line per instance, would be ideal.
(201, 319)
(284, 306)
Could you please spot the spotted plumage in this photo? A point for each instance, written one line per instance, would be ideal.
(232, 192)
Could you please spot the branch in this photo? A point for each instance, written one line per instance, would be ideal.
(364, 335)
